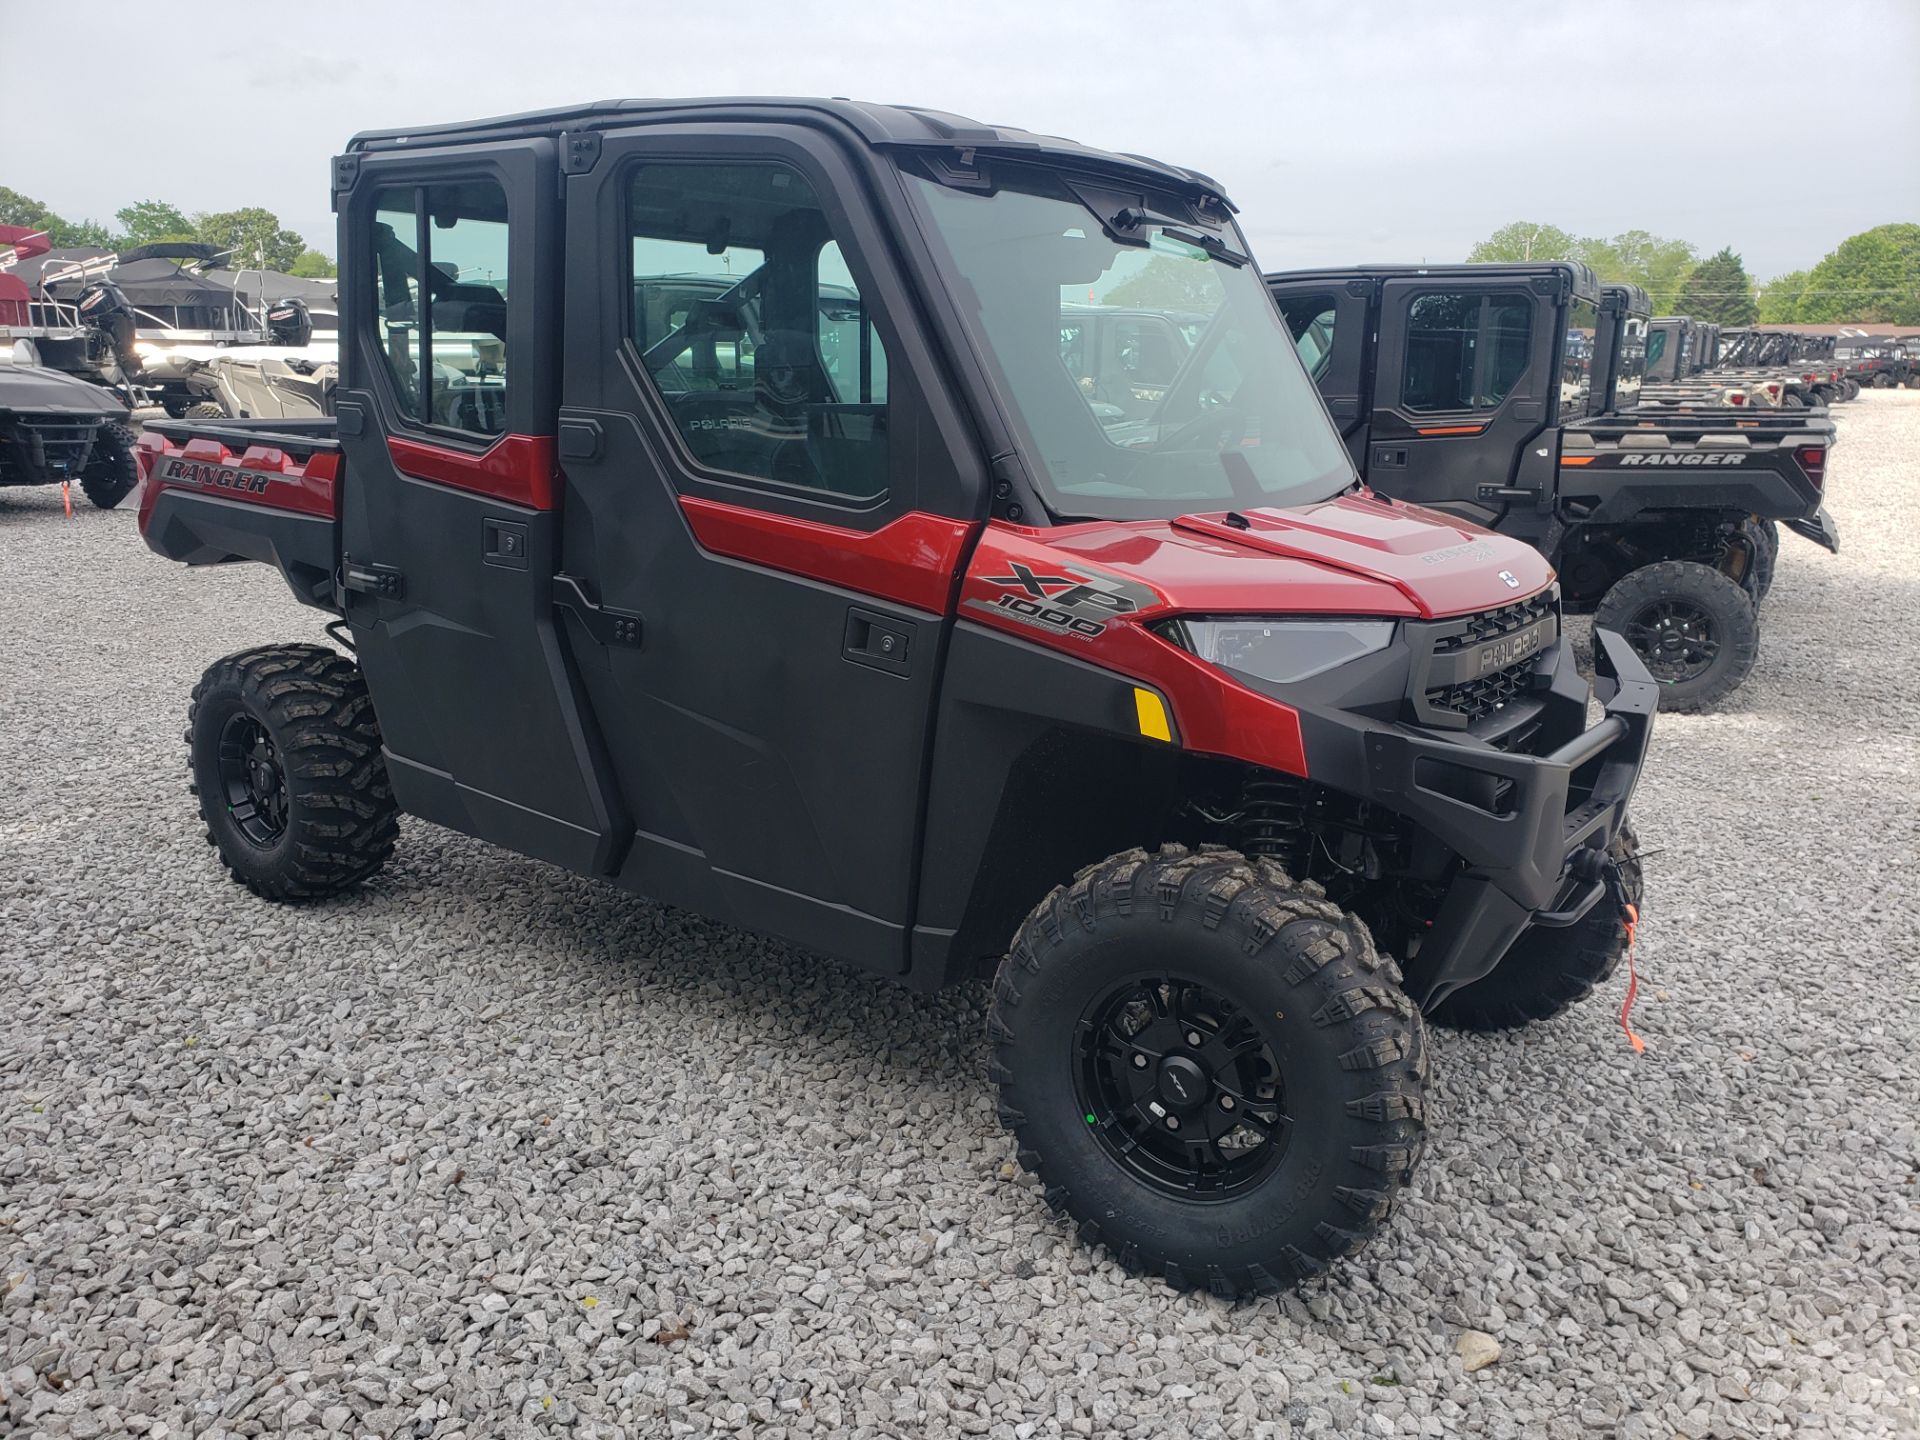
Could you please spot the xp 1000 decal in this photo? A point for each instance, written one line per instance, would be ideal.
(1061, 599)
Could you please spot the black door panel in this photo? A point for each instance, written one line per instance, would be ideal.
(478, 709)
(773, 777)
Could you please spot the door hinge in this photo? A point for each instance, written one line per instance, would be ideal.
(363, 577)
(606, 624)
(579, 151)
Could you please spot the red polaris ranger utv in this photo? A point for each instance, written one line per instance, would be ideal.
(712, 506)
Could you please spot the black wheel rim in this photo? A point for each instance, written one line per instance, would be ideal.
(1676, 638)
(1181, 1088)
(254, 784)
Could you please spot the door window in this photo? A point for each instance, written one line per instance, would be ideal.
(748, 320)
(1465, 350)
(1310, 318)
(440, 301)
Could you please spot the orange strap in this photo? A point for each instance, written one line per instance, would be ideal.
(66, 496)
(1633, 985)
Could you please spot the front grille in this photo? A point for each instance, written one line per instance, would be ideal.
(36, 449)
(1479, 698)
(1483, 695)
(1492, 624)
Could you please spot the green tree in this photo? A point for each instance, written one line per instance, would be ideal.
(147, 221)
(1719, 289)
(252, 237)
(1168, 282)
(1636, 257)
(1780, 298)
(18, 209)
(1873, 277)
(312, 265)
(1525, 240)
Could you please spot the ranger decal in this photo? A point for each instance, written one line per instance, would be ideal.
(1689, 459)
(216, 477)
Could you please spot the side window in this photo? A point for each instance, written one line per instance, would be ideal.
(1310, 318)
(747, 317)
(440, 301)
(1465, 351)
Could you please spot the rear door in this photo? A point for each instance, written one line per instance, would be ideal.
(767, 500)
(446, 417)
(1465, 374)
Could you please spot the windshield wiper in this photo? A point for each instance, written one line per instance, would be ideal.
(1217, 248)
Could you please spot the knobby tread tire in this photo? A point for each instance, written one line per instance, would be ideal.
(1726, 600)
(1763, 539)
(342, 820)
(111, 471)
(1338, 1005)
(206, 410)
(1550, 971)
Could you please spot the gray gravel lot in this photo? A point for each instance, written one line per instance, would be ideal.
(489, 1150)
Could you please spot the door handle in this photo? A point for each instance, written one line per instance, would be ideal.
(878, 641)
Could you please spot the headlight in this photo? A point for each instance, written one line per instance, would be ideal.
(1279, 651)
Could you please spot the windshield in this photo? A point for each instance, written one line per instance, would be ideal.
(1150, 379)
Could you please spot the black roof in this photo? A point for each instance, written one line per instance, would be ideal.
(1637, 301)
(1582, 279)
(879, 126)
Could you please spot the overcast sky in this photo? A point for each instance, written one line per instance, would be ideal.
(1350, 131)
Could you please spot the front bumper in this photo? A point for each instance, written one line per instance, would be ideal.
(1521, 824)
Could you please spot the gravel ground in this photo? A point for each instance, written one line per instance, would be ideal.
(488, 1150)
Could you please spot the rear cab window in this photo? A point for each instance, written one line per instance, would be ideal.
(440, 302)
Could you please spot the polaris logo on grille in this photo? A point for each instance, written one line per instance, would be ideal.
(1683, 459)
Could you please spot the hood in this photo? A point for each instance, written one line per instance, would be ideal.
(1353, 555)
(34, 387)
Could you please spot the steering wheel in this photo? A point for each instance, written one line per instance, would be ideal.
(1216, 422)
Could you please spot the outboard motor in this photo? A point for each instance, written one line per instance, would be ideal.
(290, 324)
(107, 314)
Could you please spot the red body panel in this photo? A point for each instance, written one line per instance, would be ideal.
(1352, 556)
(910, 561)
(261, 475)
(519, 469)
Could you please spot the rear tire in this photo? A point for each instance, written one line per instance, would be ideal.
(1548, 971)
(111, 472)
(1285, 1156)
(206, 410)
(286, 762)
(1695, 629)
(1763, 540)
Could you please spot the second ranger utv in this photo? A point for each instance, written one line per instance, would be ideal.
(1504, 394)
(826, 600)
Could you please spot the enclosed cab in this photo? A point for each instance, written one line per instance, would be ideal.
(1494, 393)
(919, 541)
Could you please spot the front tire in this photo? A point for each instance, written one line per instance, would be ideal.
(206, 410)
(1209, 1067)
(1548, 971)
(286, 762)
(111, 472)
(1695, 629)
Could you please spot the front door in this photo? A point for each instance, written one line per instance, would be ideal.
(764, 509)
(446, 418)
(1461, 387)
